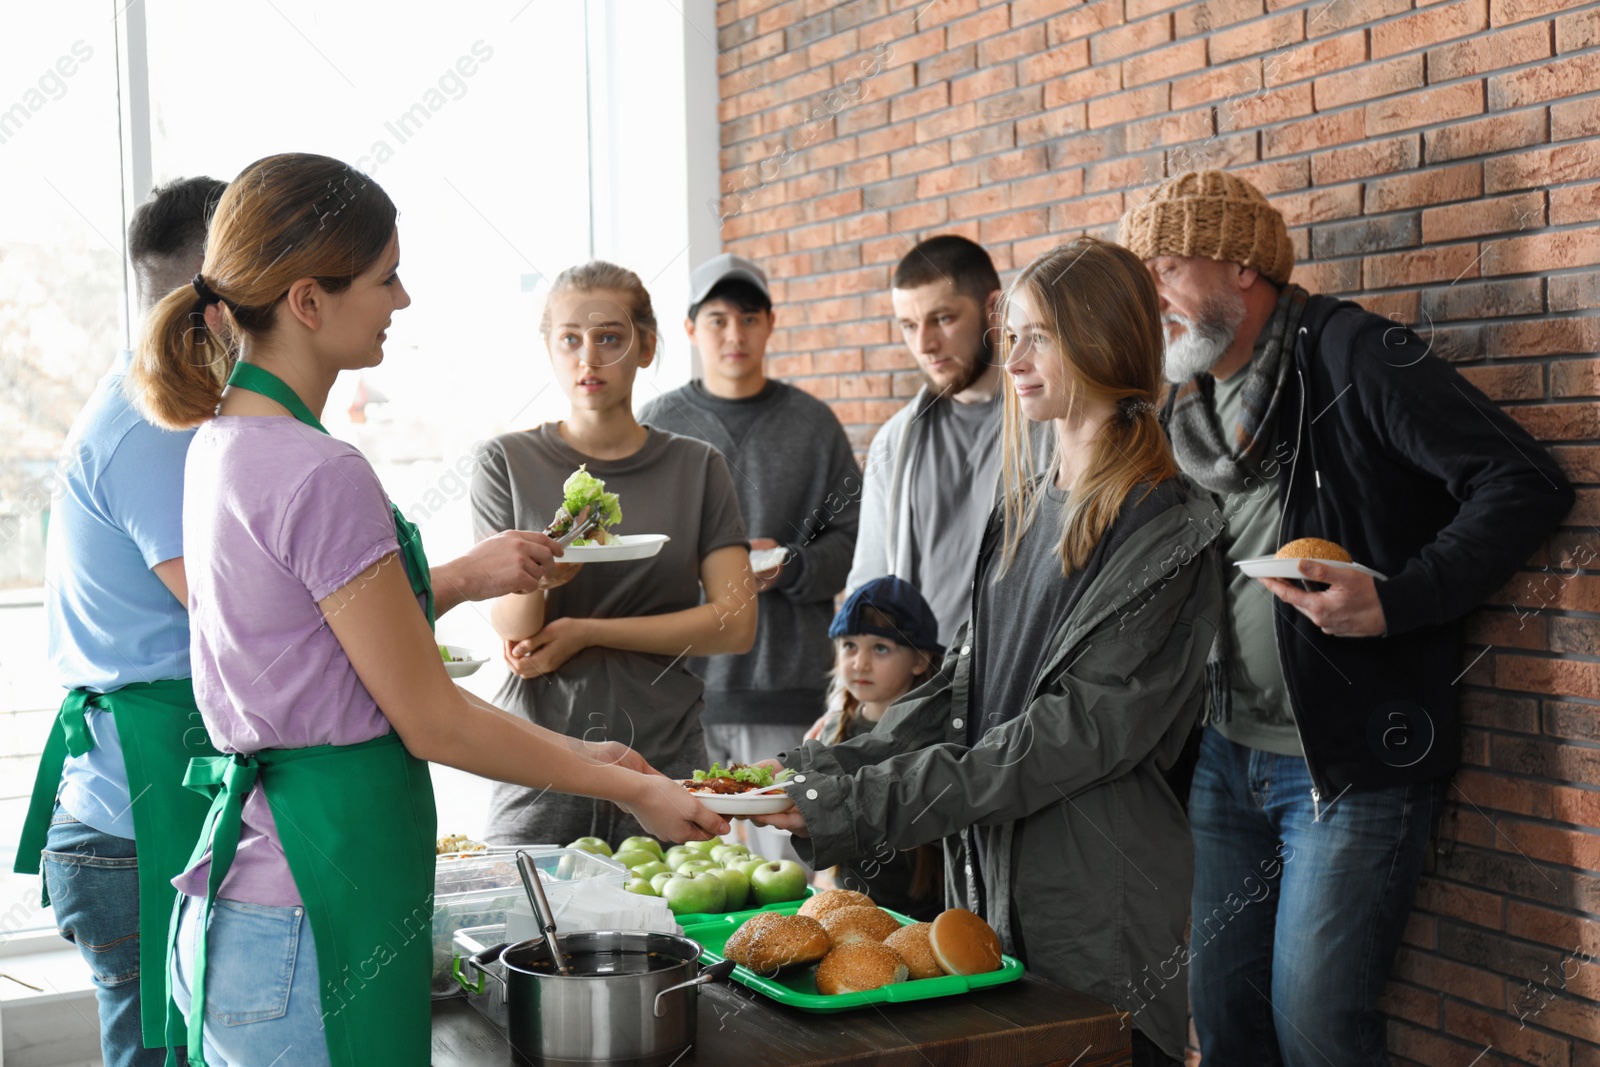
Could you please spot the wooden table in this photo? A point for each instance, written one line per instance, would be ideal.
(1027, 1023)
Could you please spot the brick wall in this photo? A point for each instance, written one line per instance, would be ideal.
(1436, 161)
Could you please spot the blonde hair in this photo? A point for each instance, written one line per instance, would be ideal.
(284, 218)
(1097, 303)
(597, 274)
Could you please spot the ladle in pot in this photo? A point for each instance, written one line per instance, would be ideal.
(542, 911)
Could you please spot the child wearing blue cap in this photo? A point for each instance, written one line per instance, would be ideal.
(886, 641)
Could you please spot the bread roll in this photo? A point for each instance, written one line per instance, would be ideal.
(786, 941)
(859, 967)
(856, 923)
(1314, 548)
(737, 945)
(829, 899)
(964, 943)
(912, 944)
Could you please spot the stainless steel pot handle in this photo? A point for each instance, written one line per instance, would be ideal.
(479, 961)
(711, 974)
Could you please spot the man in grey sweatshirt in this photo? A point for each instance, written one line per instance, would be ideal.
(799, 488)
(933, 467)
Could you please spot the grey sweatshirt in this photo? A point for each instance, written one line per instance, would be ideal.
(798, 483)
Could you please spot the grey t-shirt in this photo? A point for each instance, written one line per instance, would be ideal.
(952, 482)
(1262, 715)
(673, 485)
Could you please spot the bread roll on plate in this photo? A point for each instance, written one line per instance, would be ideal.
(963, 943)
(786, 941)
(912, 944)
(855, 923)
(859, 967)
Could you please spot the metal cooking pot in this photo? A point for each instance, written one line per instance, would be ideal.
(626, 997)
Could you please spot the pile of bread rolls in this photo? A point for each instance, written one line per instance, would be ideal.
(857, 946)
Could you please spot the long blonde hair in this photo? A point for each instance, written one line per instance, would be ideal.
(1097, 303)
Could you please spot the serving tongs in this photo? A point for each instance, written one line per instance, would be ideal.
(541, 907)
(581, 526)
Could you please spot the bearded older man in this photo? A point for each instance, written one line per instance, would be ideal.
(1333, 729)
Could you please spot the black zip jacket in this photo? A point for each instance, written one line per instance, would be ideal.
(1390, 452)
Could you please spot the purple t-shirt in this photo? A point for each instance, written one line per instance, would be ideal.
(276, 516)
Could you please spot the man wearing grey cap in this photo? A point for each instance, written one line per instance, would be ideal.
(799, 488)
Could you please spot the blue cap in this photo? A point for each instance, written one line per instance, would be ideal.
(910, 620)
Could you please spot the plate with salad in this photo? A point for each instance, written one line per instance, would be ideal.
(740, 789)
(459, 662)
(584, 498)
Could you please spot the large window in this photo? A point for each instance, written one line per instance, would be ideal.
(483, 124)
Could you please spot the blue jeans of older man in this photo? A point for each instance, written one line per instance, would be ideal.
(93, 880)
(1296, 919)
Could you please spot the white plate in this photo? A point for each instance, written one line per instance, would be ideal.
(624, 546)
(1273, 567)
(743, 804)
(467, 663)
(764, 559)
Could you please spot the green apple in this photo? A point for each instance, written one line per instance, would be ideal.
(722, 853)
(649, 844)
(695, 893)
(696, 866)
(640, 886)
(634, 857)
(704, 846)
(773, 883)
(736, 885)
(679, 854)
(651, 869)
(747, 865)
(591, 844)
(659, 880)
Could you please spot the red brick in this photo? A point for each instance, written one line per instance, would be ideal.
(1461, 182)
(1085, 84)
(1447, 976)
(1499, 215)
(862, 386)
(1021, 224)
(987, 201)
(872, 224)
(1217, 85)
(923, 13)
(1577, 31)
(984, 83)
(1074, 55)
(1339, 127)
(1505, 12)
(1369, 82)
(1574, 378)
(1548, 81)
(1279, 176)
(1482, 137)
(1227, 152)
(1049, 125)
(1196, 19)
(1077, 214)
(949, 180)
(910, 105)
(947, 123)
(1575, 118)
(1010, 105)
(1320, 205)
(1549, 337)
(1138, 9)
(1375, 157)
(1165, 63)
(1007, 47)
(922, 157)
(910, 49)
(1479, 55)
(1575, 203)
(1021, 163)
(1047, 188)
(1320, 57)
(1118, 44)
(885, 140)
(1325, 19)
(1126, 106)
(1273, 105)
(1442, 22)
(1459, 902)
(1558, 422)
(1184, 128)
(982, 141)
(1425, 108)
(1447, 263)
(1541, 167)
(1129, 172)
(1082, 21)
(985, 23)
(1257, 38)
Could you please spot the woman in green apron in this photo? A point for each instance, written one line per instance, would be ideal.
(301, 935)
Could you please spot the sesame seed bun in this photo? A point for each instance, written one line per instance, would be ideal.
(1314, 548)
(786, 941)
(829, 899)
(856, 923)
(964, 943)
(859, 967)
(912, 944)
(738, 945)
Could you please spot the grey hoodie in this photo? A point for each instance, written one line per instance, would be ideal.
(1085, 858)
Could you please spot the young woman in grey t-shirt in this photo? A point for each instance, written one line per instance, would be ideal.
(600, 653)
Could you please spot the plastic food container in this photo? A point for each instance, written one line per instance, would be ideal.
(487, 996)
(799, 989)
(472, 889)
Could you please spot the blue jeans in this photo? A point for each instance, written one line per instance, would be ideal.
(93, 879)
(263, 1006)
(1296, 921)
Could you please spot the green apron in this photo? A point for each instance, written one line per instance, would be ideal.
(161, 731)
(358, 826)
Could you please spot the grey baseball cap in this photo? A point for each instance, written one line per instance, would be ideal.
(705, 277)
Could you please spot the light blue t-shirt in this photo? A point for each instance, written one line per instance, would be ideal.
(116, 511)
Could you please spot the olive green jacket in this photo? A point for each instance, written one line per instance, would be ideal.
(1084, 860)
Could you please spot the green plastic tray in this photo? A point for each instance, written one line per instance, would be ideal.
(799, 989)
(694, 918)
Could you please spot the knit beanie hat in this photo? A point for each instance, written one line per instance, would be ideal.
(1209, 213)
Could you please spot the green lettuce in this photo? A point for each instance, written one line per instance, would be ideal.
(583, 490)
(761, 777)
